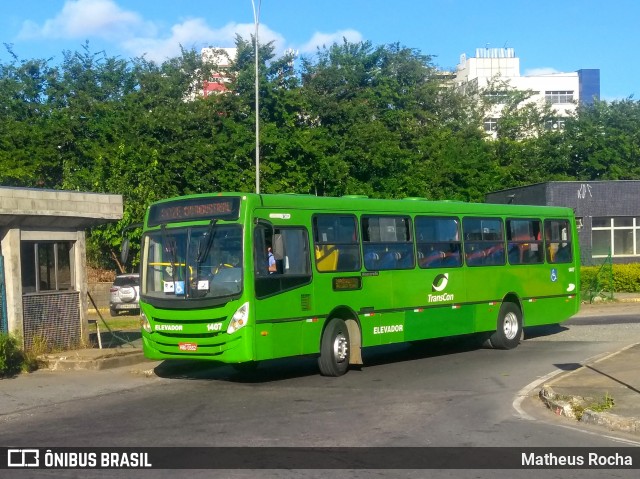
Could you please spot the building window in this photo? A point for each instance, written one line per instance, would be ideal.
(490, 125)
(46, 266)
(559, 96)
(619, 236)
(497, 97)
(556, 124)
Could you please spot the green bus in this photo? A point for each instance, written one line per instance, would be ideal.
(241, 278)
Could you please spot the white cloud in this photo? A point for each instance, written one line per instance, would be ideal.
(195, 33)
(81, 19)
(320, 39)
(105, 19)
(541, 71)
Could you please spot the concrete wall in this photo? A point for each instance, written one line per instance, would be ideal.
(100, 294)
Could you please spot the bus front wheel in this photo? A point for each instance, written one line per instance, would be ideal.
(509, 331)
(334, 349)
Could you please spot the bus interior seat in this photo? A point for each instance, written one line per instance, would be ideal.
(563, 255)
(390, 260)
(406, 261)
(327, 257)
(347, 262)
(371, 260)
(475, 257)
(496, 256)
(514, 254)
(452, 259)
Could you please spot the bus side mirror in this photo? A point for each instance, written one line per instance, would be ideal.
(124, 253)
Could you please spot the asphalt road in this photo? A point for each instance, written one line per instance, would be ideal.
(434, 393)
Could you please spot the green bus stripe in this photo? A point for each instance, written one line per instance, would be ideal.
(402, 310)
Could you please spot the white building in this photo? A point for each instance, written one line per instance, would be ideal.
(563, 91)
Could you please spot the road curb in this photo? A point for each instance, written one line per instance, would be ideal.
(107, 361)
(563, 405)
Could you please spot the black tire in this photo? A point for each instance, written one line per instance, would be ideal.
(334, 349)
(509, 328)
(113, 312)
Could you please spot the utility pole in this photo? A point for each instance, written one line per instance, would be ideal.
(256, 21)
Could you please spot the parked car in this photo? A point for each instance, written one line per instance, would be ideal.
(125, 294)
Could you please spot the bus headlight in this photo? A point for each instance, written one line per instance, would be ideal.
(144, 322)
(239, 319)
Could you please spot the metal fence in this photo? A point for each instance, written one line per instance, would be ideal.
(52, 320)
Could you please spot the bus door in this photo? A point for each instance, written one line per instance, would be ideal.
(283, 290)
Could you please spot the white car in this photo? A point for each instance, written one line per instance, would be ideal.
(125, 294)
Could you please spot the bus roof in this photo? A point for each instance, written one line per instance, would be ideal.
(351, 203)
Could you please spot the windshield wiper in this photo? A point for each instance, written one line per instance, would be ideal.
(201, 255)
(204, 252)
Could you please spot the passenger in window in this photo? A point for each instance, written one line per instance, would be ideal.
(272, 260)
(563, 255)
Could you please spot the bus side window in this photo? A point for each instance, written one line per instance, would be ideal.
(387, 242)
(290, 248)
(524, 241)
(557, 235)
(438, 242)
(484, 241)
(336, 245)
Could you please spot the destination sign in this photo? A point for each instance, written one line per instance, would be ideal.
(218, 207)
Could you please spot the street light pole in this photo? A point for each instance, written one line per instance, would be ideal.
(256, 20)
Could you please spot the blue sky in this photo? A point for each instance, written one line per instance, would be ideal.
(555, 35)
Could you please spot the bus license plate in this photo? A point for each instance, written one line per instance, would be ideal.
(187, 346)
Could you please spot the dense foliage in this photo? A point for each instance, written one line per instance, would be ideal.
(621, 278)
(353, 119)
(11, 356)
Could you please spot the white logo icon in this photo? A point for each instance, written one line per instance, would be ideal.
(440, 282)
(23, 458)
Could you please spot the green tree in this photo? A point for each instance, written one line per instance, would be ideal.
(603, 141)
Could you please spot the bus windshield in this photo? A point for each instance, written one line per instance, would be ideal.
(199, 262)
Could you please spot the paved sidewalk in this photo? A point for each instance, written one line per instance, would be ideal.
(605, 392)
(121, 355)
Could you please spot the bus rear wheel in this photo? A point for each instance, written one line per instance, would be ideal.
(334, 349)
(509, 331)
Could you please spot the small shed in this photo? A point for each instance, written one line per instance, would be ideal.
(43, 273)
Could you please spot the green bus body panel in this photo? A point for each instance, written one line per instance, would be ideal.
(392, 306)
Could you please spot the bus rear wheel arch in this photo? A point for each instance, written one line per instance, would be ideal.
(335, 349)
(509, 327)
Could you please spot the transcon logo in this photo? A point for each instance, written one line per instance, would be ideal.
(440, 282)
(437, 298)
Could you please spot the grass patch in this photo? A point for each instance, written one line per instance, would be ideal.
(13, 359)
(601, 405)
(119, 323)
